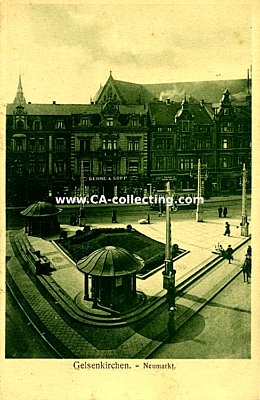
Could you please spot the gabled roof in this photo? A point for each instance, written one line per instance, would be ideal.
(128, 93)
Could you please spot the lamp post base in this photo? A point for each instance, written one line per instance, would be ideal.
(244, 230)
(199, 216)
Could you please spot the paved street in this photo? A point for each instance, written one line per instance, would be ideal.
(131, 214)
(220, 330)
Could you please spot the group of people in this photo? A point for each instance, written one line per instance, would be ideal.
(223, 211)
(247, 264)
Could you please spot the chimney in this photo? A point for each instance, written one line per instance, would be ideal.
(202, 103)
(168, 101)
(54, 102)
(29, 102)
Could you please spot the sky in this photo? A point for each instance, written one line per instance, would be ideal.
(64, 52)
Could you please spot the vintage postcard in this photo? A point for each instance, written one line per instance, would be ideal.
(130, 221)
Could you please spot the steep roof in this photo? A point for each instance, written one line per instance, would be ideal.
(19, 98)
(209, 91)
(164, 114)
(68, 109)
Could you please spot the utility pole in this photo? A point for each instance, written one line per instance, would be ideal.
(199, 211)
(82, 193)
(244, 224)
(169, 272)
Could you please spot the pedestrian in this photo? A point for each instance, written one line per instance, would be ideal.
(225, 212)
(220, 211)
(249, 251)
(114, 220)
(229, 253)
(227, 229)
(246, 267)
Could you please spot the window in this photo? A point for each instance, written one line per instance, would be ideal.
(42, 167)
(32, 144)
(184, 143)
(60, 125)
(240, 142)
(134, 122)
(19, 144)
(225, 144)
(199, 143)
(109, 144)
(32, 167)
(18, 167)
(19, 124)
(159, 129)
(110, 122)
(37, 125)
(226, 111)
(169, 163)
(165, 144)
(207, 143)
(169, 129)
(240, 127)
(227, 127)
(133, 166)
(186, 163)
(109, 167)
(60, 144)
(60, 167)
(41, 144)
(185, 126)
(133, 145)
(85, 122)
(84, 145)
(240, 160)
(224, 162)
(86, 165)
(159, 162)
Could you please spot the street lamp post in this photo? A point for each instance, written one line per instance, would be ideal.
(169, 272)
(199, 211)
(82, 193)
(244, 224)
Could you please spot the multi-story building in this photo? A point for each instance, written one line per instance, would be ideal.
(180, 135)
(128, 141)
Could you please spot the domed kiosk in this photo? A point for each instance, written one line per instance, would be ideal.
(110, 277)
(41, 219)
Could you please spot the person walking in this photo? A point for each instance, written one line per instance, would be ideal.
(225, 212)
(220, 211)
(249, 251)
(229, 253)
(227, 229)
(246, 268)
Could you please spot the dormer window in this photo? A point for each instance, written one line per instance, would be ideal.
(37, 125)
(226, 111)
(110, 122)
(60, 124)
(85, 122)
